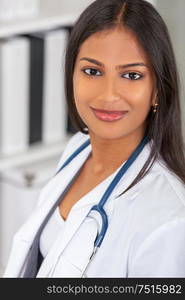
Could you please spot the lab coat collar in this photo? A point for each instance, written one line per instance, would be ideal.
(73, 223)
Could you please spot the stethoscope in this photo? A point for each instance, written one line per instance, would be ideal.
(98, 208)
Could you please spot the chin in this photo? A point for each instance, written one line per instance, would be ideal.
(107, 134)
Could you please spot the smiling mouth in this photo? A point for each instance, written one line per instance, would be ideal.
(109, 115)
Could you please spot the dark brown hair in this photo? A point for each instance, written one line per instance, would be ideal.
(164, 127)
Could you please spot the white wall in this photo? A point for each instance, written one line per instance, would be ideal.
(154, 2)
(173, 14)
(67, 5)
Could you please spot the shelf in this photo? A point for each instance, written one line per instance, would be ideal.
(33, 25)
(53, 14)
(35, 153)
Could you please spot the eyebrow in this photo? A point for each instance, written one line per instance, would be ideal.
(94, 61)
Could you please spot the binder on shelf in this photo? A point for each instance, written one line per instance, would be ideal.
(19, 191)
(48, 113)
(54, 103)
(14, 95)
(36, 88)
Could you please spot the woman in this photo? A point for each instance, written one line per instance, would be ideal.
(123, 96)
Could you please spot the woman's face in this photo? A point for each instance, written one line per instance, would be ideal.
(103, 80)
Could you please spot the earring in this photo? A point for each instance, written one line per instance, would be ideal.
(155, 107)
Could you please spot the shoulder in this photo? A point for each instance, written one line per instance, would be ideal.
(158, 198)
(162, 194)
(162, 185)
(161, 200)
(165, 184)
(74, 142)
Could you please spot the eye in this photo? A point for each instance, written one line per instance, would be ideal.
(132, 76)
(91, 72)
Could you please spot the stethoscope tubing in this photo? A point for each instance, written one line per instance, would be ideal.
(99, 207)
(80, 149)
(122, 171)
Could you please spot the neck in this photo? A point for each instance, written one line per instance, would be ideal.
(108, 154)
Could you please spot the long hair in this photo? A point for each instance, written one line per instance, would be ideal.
(164, 127)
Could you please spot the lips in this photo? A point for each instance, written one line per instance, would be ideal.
(109, 115)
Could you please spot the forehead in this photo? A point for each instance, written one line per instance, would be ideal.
(116, 44)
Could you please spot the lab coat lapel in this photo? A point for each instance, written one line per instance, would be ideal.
(17, 257)
(71, 226)
(49, 198)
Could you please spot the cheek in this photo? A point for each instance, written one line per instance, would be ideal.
(141, 98)
(81, 98)
(83, 95)
(80, 90)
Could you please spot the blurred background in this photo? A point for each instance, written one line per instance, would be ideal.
(34, 123)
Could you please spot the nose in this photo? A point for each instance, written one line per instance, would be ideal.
(110, 90)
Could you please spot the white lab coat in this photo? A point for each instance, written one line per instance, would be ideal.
(146, 233)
